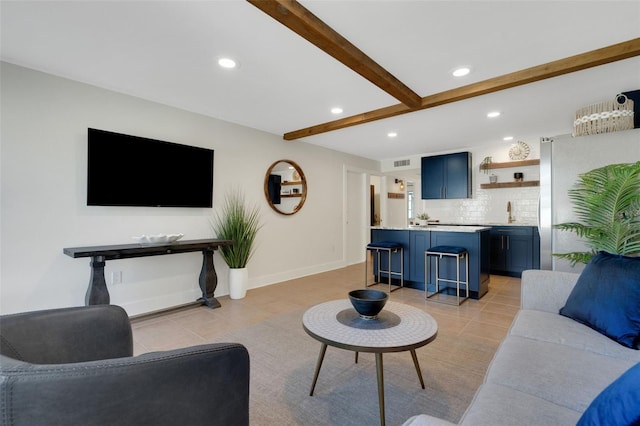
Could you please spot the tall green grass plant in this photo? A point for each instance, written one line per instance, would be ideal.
(240, 223)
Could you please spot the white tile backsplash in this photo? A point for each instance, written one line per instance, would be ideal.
(489, 206)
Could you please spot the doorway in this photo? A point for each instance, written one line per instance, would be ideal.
(356, 216)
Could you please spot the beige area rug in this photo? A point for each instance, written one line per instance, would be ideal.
(283, 359)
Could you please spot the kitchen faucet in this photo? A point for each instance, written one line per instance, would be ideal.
(511, 218)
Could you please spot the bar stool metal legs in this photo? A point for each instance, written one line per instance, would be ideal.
(439, 252)
(390, 248)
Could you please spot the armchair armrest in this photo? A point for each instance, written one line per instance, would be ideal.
(207, 384)
(546, 290)
(58, 336)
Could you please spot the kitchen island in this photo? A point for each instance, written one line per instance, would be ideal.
(415, 240)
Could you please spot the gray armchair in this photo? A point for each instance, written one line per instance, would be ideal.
(74, 366)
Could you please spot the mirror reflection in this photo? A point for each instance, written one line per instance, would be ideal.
(285, 187)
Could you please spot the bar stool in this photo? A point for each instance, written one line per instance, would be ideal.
(439, 252)
(390, 248)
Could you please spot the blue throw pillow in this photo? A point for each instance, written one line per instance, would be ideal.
(618, 404)
(607, 298)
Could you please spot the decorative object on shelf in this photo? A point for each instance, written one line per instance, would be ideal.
(157, 239)
(485, 165)
(368, 303)
(519, 151)
(606, 204)
(605, 117)
(518, 176)
(493, 179)
(510, 164)
(239, 223)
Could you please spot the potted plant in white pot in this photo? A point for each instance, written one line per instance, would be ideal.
(422, 219)
(240, 223)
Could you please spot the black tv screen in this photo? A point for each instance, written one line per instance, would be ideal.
(126, 170)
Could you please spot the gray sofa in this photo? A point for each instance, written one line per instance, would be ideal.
(74, 366)
(549, 368)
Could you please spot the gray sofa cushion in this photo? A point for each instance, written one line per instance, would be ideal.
(567, 376)
(488, 409)
(618, 404)
(554, 328)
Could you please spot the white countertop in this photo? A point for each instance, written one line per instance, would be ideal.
(496, 224)
(440, 228)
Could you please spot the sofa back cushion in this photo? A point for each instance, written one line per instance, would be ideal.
(607, 298)
(617, 404)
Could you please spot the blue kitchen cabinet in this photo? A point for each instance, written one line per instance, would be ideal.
(416, 242)
(420, 241)
(477, 245)
(514, 249)
(446, 176)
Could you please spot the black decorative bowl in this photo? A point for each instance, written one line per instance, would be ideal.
(368, 303)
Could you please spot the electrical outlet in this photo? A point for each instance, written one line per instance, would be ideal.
(116, 277)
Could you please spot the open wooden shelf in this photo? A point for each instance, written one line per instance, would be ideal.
(509, 164)
(293, 182)
(290, 195)
(510, 184)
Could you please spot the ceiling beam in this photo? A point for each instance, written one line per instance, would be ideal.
(300, 20)
(593, 58)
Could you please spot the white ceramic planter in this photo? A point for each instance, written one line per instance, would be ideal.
(238, 281)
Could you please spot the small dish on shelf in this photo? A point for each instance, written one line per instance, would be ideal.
(158, 239)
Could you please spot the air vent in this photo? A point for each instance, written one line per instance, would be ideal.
(401, 163)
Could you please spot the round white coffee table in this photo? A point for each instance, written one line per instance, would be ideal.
(398, 328)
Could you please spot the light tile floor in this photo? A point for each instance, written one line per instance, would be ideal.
(487, 319)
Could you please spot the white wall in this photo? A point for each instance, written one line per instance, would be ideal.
(396, 207)
(43, 203)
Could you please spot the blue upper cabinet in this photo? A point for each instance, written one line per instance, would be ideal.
(446, 176)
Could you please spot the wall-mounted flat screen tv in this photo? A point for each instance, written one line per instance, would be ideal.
(126, 170)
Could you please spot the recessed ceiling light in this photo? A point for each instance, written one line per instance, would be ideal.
(336, 110)
(392, 134)
(493, 114)
(461, 72)
(227, 63)
(507, 138)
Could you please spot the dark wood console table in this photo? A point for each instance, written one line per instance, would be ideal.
(98, 294)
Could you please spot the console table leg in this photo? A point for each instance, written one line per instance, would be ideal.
(97, 293)
(208, 280)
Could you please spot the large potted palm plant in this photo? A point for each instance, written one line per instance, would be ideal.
(240, 223)
(607, 204)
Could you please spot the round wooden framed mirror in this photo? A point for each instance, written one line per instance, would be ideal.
(285, 187)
